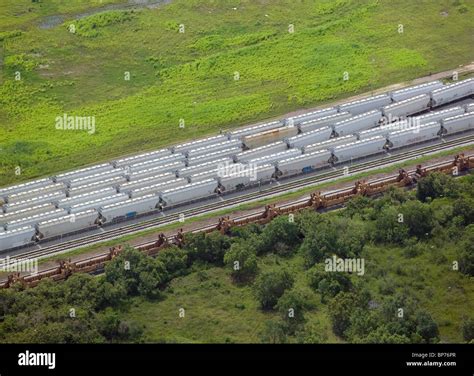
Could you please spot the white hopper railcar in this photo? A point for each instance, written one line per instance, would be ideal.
(357, 123)
(35, 201)
(459, 123)
(27, 212)
(17, 238)
(213, 147)
(169, 167)
(25, 195)
(308, 116)
(274, 147)
(67, 224)
(96, 204)
(406, 107)
(304, 163)
(330, 120)
(181, 148)
(311, 137)
(358, 149)
(157, 188)
(452, 92)
(28, 186)
(329, 144)
(85, 197)
(127, 161)
(188, 193)
(366, 104)
(206, 166)
(176, 157)
(239, 133)
(35, 218)
(408, 137)
(272, 158)
(107, 183)
(203, 175)
(230, 152)
(413, 91)
(95, 177)
(438, 115)
(76, 174)
(150, 180)
(128, 209)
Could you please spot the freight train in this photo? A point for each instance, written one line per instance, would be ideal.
(155, 181)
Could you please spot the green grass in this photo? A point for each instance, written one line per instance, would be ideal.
(191, 75)
(446, 294)
(217, 310)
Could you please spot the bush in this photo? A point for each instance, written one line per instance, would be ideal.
(175, 261)
(467, 329)
(388, 229)
(280, 236)
(328, 283)
(90, 26)
(138, 273)
(466, 253)
(291, 307)
(241, 259)
(418, 217)
(437, 185)
(209, 248)
(271, 285)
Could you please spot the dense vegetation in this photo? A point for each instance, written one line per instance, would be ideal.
(191, 75)
(271, 283)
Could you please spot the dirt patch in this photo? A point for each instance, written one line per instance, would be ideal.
(50, 22)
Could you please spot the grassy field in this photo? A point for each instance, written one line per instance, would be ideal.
(217, 310)
(191, 75)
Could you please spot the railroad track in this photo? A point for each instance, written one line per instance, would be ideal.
(265, 193)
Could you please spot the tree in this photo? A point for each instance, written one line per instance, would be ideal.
(241, 259)
(426, 327)
(464, 208)
(340, 310)
(280, 236)
(382, 335)
(274, 332)
(357, 205)
(113, 328)
(436, 185)
(467, 329)
(209, 248)
(175, 261)
(418, 217)
(270, 286)
(137, 272)
(320, 243)
(466, 252)
(328, 284)
(312, 332)
(291, 307)
(351, 237)
(388, 228)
